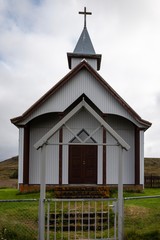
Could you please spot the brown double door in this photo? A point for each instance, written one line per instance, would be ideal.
(82, 164)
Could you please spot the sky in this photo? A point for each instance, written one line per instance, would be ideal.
(35, 36)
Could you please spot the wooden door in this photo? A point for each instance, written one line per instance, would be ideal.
(82, 164)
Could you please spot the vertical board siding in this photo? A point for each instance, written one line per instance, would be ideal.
(34, 159)
(37, 129)
(129, 156)
(83, 82)
(126, 130)
(52, 161)
(76, 61)
(20, 159)
(65, 155)
(112, 165)
(84, 120)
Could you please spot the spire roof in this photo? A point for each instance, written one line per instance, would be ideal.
(84, 44)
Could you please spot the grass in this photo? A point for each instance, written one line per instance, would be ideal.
(20, 221)
(142, 216)
(12, 193)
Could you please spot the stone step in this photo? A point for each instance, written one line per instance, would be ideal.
(86, 221)
(81, 192)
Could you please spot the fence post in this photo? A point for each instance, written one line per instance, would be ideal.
(120, 194)
(42, 193)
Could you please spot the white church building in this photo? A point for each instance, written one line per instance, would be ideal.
(82, 152)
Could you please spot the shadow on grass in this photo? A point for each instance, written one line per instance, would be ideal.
(133, 235)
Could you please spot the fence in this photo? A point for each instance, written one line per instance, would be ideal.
(19, 219)
(65, 219)
(151, 181)
(81, 219)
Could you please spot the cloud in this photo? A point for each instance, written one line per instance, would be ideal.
(36, 34)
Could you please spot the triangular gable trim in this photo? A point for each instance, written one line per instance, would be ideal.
(64, 80)
(82, 104)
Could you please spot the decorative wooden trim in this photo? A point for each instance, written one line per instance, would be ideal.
(26, 155)
(104, 156)
(60, 155)
(137, 156)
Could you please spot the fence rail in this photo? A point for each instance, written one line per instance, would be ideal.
(81, 219)
(151, 181)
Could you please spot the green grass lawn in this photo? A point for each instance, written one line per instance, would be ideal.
(141, 218)
(11, 193)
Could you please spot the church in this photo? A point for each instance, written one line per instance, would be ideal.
(86, 116)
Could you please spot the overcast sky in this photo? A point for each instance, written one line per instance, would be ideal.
(35, 36)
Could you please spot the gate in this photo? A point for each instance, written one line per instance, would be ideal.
(81, 219)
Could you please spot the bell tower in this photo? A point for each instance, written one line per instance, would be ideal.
(84, 49)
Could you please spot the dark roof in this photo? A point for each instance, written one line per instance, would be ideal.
(84, 56)
(78, 68)
(84, 44)
(84, 49)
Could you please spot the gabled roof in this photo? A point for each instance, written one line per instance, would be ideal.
(83, 65)
(84, 44)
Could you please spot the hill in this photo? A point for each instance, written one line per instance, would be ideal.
(152, 166)
(9, 170)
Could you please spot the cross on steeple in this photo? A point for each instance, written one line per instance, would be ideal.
(85, 13)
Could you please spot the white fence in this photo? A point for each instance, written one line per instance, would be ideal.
(81, 219)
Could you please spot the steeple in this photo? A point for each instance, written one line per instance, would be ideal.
(84, 49)
(84, 44)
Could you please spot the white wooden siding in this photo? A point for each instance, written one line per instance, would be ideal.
(20, 159)
(37, 130)
(34, 156)
(83, 120)
(112, 165)
(76, 61)
(65, 155)
(52, 161)
(83, 82)
(126, 130)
